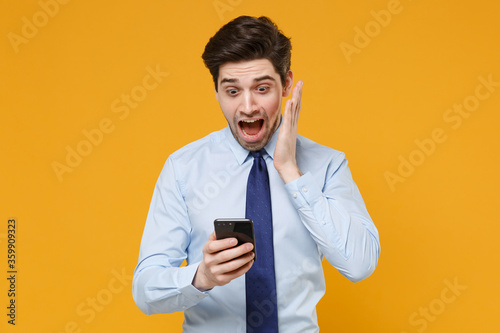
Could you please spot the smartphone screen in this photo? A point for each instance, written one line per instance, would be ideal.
(241, 229)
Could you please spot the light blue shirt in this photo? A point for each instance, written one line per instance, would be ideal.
(321, 214)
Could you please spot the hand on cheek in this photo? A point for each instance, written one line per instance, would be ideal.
(284, 155)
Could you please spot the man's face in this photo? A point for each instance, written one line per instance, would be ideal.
(250, 94)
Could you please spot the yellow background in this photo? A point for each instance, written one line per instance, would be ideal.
(77, 233)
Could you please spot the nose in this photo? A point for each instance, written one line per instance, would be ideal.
(249, 104)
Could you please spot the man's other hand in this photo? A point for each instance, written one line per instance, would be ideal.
(284, 153)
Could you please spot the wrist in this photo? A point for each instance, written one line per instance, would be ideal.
(289, 173)
(199, 282)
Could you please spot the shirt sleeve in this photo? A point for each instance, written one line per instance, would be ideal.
(337, 219)
(160, 285)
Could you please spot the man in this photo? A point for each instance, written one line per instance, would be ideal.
(317, 210)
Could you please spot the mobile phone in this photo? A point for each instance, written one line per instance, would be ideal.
(241, 229)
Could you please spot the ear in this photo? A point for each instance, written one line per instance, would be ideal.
(288, 84)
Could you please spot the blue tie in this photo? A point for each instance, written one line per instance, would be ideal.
(260, 281)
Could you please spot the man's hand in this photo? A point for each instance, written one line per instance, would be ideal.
(222, 262)
(284, 153)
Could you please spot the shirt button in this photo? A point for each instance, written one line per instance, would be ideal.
(294, 194)
(323, 222)
(304, 189)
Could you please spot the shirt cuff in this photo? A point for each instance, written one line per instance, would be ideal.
(188, 290)
(303, 191)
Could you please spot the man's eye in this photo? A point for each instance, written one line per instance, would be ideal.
(263, 89)
(232, 91)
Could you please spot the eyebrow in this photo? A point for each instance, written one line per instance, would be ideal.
(257, 79)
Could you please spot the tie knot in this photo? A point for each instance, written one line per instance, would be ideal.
(258, 154)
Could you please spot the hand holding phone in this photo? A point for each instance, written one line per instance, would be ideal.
(223, 261)
(241, 229)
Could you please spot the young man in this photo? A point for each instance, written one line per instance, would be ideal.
(310, 207)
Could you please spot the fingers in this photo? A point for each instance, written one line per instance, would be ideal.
(222, 262)
(235, 264)
(214, 246)
(225, 273)
(223, 250)
(297, 96)
(222, 267)
(230, 254)
(243, 265)
(292, 106)
(297, 91)
(288, 107)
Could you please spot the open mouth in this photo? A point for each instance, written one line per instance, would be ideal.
(251, 127)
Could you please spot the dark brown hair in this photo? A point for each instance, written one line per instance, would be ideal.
(248, 38)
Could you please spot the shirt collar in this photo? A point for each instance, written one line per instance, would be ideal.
(241, 154)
